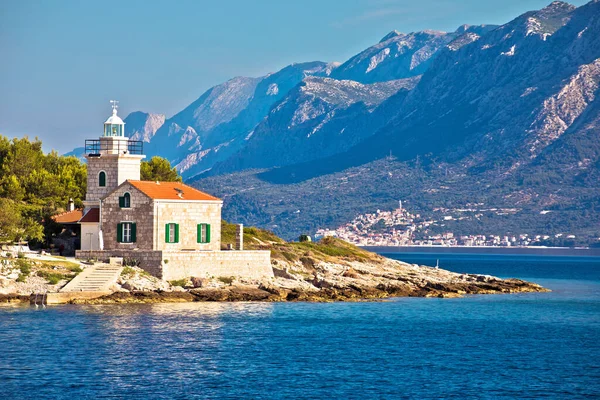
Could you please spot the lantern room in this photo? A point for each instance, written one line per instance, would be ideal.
(114, 125)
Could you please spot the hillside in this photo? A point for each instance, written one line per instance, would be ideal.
(508, 120)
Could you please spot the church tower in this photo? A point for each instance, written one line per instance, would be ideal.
(111, 160)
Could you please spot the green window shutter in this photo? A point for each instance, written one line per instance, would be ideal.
(166, 233)
(102, 179)
(198, 233)
(207, 233)
(176, 233)
(121, 201)
(133, 232)
(119, 233)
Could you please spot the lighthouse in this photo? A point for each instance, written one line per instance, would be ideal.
(111, 160)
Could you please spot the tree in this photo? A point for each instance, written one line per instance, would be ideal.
(9, 220)
(14, 226)
(34, 186)
(159, 169)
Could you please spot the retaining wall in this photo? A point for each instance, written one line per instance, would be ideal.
(172, 265)
(247, 264)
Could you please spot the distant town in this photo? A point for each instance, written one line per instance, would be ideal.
(401, 228)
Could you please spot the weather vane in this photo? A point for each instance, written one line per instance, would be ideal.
(115, 105)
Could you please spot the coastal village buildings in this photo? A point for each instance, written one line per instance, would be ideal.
(399, 227)
(170, 229)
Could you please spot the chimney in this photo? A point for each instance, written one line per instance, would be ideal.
(239, 237)
(71, 206)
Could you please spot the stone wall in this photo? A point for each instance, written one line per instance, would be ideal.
(247, 264)
(173, 265)
(106, 163)
(188, 214)
(141, 212)
(150, 261)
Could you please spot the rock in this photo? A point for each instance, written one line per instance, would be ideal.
(282, 273)
(199, 282)
(210, 294)
(350, 273)
(277, 292)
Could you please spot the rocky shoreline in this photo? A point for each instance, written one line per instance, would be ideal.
(374, 279)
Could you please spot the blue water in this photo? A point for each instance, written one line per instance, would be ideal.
(499, 346)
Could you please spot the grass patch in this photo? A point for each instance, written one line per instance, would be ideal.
(328, 249)
(127, 271)
(75, 268)
(68, 265)
(253, 237)
(179, 282)
(54, 277)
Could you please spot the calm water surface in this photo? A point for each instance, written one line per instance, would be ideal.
(499, 346)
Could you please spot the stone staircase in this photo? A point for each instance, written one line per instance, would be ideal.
(94, 279)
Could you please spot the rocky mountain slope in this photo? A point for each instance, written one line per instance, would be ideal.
(143, 126)
(513, 112)
(321, 116)
(215, 125)
(399, 55)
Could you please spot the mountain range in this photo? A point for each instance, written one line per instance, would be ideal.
(504, 116)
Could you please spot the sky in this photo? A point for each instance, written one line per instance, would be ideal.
(63, 60)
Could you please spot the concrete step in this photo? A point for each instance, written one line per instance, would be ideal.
(97, 278)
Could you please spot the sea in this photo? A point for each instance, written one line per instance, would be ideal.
(507, 346)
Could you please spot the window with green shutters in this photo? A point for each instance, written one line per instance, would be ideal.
(125, 201)
(172, 233)
(102, 179)
(203, 234)
(126, 232)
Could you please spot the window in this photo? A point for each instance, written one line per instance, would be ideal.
(126, 232)
(172, 233)
(203, 233)
(125, 201)
(102, 179)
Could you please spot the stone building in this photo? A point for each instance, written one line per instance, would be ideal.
(170, 229)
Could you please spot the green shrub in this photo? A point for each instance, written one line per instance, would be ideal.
(53, 277)
(228, 280)
(25, 268)
(20, 254)
(127, 271)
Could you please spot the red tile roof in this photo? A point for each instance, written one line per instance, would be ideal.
(170, 191)
(93, 215)
(68, 217)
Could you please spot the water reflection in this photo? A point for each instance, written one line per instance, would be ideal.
(181, 342)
